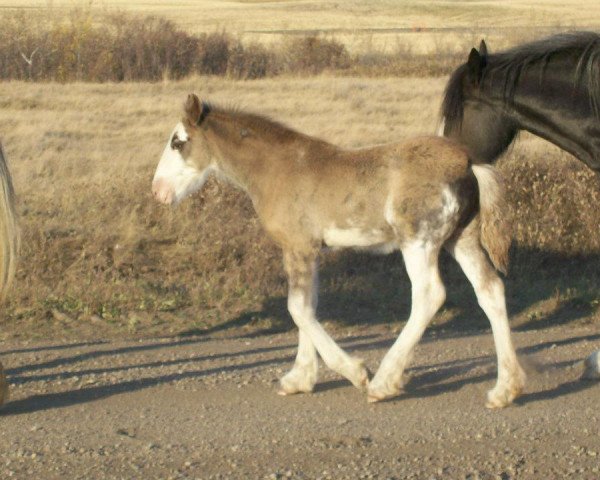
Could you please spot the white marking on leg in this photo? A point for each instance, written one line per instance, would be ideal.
(489, 290)
(428, 295)
(303, 376)
(334, 357)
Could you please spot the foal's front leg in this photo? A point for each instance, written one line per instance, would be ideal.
(302, 303)
(303, 376)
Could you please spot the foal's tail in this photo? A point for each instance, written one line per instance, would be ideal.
(9, 232)
(495, 220)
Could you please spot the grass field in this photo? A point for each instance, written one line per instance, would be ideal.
(100, 257)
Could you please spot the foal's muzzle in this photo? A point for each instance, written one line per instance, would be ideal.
(163, 191)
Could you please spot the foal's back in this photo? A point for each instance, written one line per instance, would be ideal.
(377, 193)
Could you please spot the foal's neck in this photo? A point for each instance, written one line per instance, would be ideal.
(249, 149)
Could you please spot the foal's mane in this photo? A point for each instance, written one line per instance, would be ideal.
(255, 124)
(511, 63)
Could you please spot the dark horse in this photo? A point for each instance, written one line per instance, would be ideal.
(550, 88)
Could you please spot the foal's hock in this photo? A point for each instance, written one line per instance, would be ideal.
(417, 196)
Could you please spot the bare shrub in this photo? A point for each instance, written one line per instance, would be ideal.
(144, 49)
(555, 202)
(213, 53)
(78, 47)
(75, 50)
(251, 62)
(314, 54)
(22, 46)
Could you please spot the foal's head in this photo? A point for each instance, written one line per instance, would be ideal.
(186, 161)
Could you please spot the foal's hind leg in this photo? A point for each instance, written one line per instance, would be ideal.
(302, 303)
(428, 295)
(490, 294)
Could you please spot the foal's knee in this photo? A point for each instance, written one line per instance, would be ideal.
(297, 307)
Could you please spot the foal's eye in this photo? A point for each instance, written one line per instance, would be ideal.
(177, 144)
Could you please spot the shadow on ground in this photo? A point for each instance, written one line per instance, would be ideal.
(542, 289)
(426, 380)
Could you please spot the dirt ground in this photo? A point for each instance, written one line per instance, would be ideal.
(206, 407)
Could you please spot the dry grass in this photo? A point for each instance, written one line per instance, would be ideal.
(101, 257)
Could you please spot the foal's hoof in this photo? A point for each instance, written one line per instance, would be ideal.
(391, 387)
(503, 395)
(362, 377)
(285, 391)
(385, 392)
(297, 380)
(375, 396)
(495, 400)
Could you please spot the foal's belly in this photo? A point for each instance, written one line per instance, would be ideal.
(374, 239)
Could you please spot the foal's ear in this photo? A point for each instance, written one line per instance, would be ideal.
(475, 65)
(195, 110)
(483, 51)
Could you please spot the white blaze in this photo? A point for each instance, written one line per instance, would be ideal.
(174, 178)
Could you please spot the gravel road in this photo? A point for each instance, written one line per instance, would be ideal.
(206, 407)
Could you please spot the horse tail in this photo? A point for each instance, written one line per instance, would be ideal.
(495, 229)
(9, 231)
